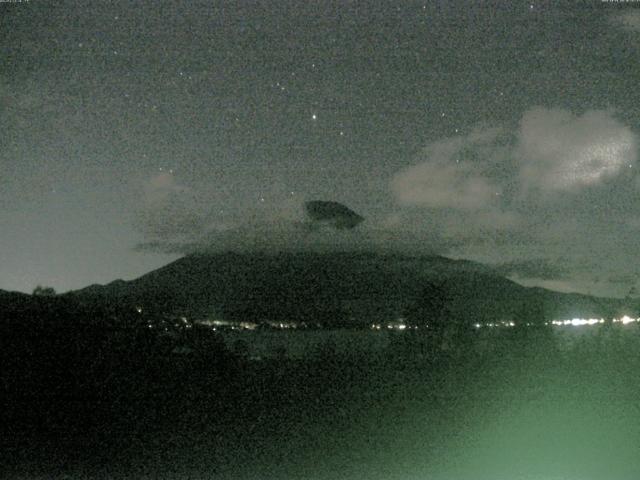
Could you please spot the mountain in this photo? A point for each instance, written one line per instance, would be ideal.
(12, 301)
(338, 289)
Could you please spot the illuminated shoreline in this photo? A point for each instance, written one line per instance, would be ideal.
(573, 322)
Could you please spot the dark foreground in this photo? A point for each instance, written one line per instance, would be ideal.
(517, 407)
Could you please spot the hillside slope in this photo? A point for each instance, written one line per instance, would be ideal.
(338, 288)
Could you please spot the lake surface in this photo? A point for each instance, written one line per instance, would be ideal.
(299, 343)
(563, 406)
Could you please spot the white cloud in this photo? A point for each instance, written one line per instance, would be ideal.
(560, 151)
(553, 150)
(545, 208)
(170, 210)
(444, 179)
(629, 20)
(161, 186)
(441, 186)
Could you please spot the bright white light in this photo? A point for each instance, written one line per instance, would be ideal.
(577, 322)
(624, 320)
(573, 322)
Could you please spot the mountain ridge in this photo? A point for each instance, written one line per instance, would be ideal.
(339, 288)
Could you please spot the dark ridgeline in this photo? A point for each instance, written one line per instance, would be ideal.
(340, 289)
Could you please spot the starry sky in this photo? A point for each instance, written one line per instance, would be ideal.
(503, 132)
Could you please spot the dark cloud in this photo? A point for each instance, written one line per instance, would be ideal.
(333, 213)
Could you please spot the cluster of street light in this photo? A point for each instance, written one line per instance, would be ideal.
(573, 322)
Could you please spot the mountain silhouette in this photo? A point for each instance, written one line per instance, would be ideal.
(339, 289)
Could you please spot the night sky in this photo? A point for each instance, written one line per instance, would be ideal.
(133, 132)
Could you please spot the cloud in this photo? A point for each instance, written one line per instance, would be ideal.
(173, 219)
(286, 235)
(542, 268)
(334, 214)
(176, 219)
(560, 151)
(629, 20)
(167, 247)
(445, 178)
(557, 186)
(625, 279)
(160, 186)
(552, 150)
(170, 211)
